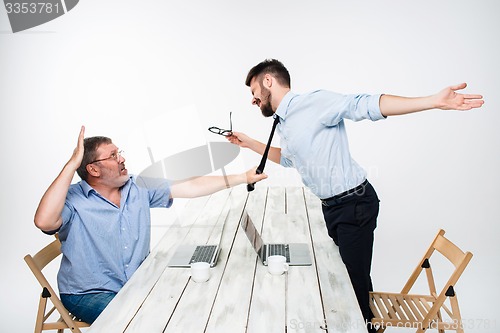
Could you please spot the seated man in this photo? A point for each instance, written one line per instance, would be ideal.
(104, 220)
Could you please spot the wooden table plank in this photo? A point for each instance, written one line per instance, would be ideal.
(339, 301)
(230, 310)
(304, 306)
(158, 308)
(267, 308)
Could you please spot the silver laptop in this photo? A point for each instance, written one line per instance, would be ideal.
(297, 254)
(187, 254)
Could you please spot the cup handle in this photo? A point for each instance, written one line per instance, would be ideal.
(285, 267)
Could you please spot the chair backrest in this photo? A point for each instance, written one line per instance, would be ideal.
(42, 258)
(37, 263)
(452, 253)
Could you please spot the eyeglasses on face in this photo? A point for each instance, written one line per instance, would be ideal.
(221, 131)
(114, 156)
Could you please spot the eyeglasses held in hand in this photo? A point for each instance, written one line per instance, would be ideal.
(115, 156)
(221, 131)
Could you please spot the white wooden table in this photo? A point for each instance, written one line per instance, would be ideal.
(241, 296)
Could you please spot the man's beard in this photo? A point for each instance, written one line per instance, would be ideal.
(265, 108)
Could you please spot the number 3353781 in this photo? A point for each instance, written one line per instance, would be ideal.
(31, 7)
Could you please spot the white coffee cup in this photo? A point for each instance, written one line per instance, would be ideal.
(200, 271)
(277, 265)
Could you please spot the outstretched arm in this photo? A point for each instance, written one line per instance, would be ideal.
(446, 99)
(48, 213)
(200, 186)
(245, 141)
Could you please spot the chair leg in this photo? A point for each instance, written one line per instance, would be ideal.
(42, 305)
(456, 314)
(440, 319)
(61, 330)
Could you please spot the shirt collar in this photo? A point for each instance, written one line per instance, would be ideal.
(86, 188)
(283, 107)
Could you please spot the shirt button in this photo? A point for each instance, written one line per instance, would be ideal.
(126, 266)
(125, 247)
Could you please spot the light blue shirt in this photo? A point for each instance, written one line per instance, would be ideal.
(314, 139)
(103, 244)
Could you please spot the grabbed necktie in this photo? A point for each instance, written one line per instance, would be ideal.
(260, 168)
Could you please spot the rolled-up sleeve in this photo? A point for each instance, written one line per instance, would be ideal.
(353, 107)
(159, 191)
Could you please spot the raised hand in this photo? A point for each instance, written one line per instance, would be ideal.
(449, 99)
(77, 157)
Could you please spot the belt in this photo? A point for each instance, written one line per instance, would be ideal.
(332, 200)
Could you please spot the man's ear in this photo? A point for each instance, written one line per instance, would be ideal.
(267, 81)
(93, 170)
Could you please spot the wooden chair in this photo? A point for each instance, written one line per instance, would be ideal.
(424, 312)
(37, 263)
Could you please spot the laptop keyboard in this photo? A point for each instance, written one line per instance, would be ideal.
(279, 250)
(203, 253)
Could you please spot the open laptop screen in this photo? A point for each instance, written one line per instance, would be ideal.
(252, 234)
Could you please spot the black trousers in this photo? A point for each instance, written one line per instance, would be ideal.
(351, 221)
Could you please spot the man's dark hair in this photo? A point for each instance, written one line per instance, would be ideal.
(273, 67)
(90, 146)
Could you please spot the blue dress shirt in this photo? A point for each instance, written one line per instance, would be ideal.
(314, 139)
(103, 244)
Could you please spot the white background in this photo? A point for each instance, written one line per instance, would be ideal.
(158, 73)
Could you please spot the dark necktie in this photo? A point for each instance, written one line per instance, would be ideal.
(260, 168)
